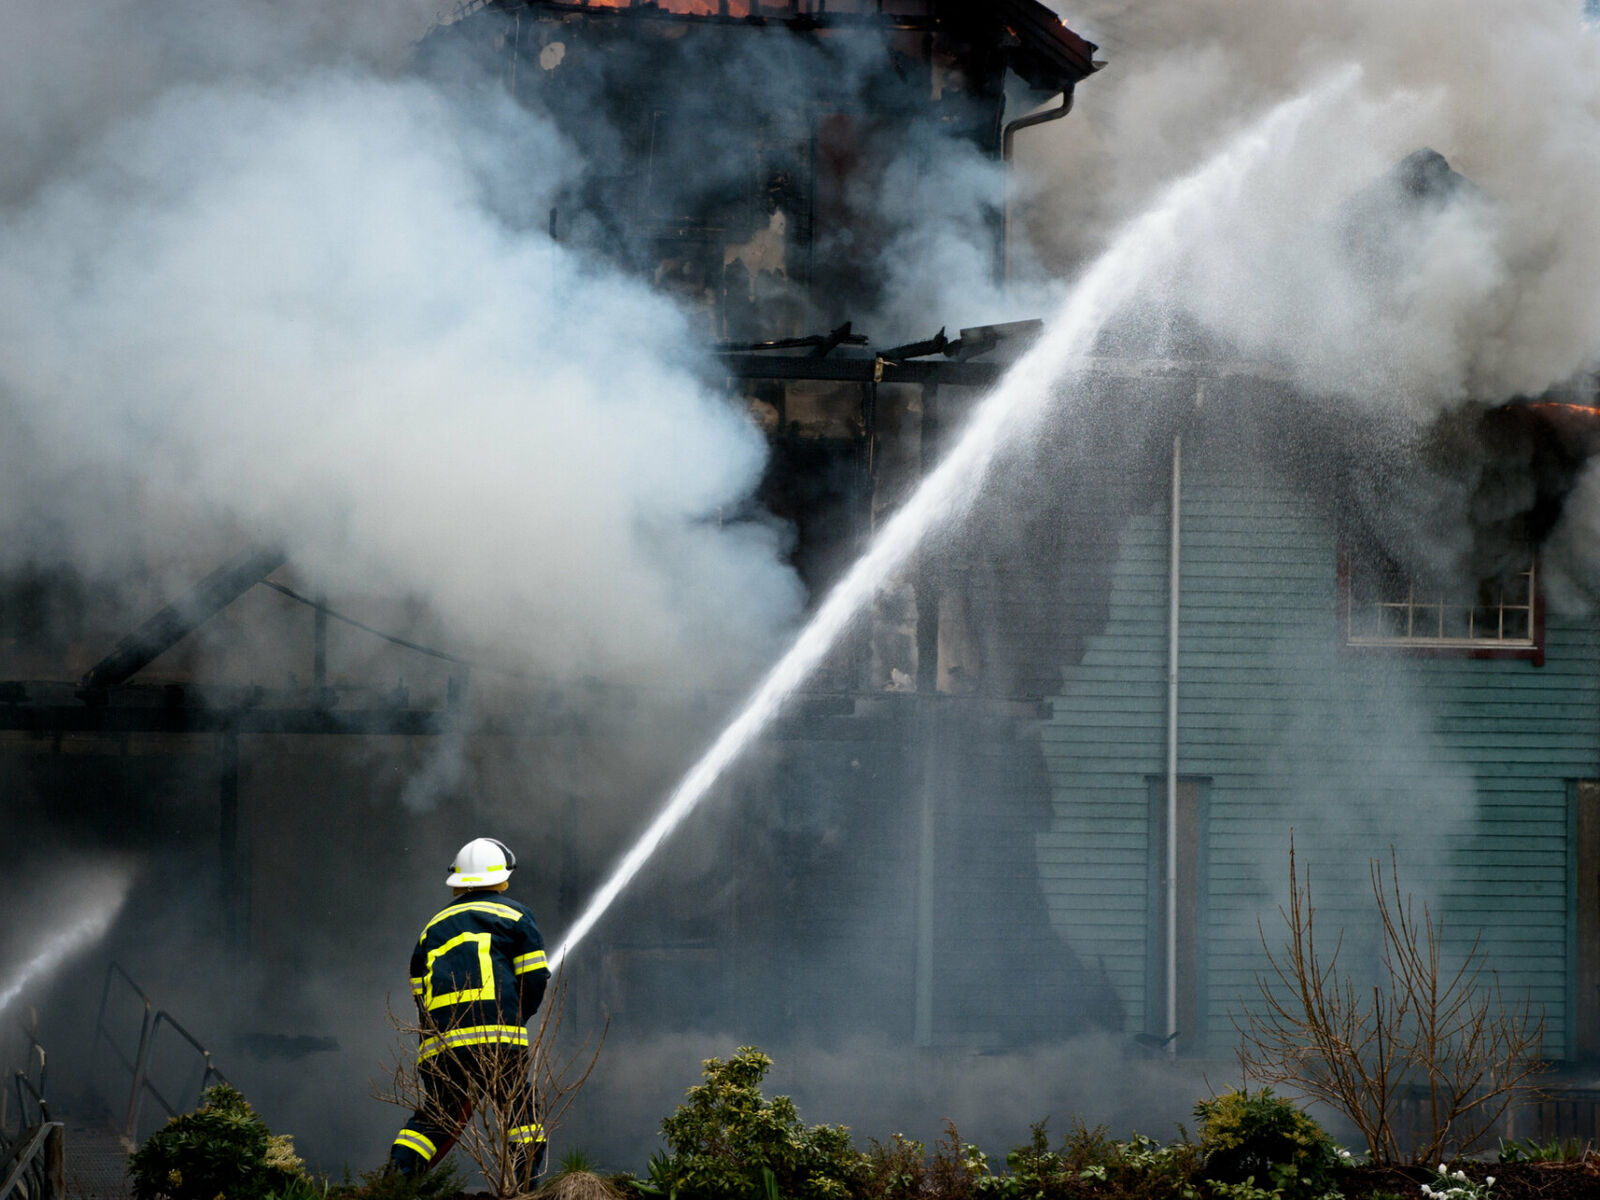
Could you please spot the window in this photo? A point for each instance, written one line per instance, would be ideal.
(1382, 606)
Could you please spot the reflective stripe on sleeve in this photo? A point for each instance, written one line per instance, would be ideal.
(416, 985)
(526, 1133)
(472, 1035)
(412, 1140)
(533, 961)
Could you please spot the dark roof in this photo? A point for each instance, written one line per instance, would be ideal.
(1054, 58)
(1043, 50)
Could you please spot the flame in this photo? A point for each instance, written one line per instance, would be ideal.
(1588, 410)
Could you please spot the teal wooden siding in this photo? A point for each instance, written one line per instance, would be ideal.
(1462, 765)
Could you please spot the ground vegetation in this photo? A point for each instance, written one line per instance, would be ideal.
(729, 1140)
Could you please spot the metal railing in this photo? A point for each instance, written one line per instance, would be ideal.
(32, 1160)
(32, 1109)
(151, 1023)
(34, 1167)
(141, 1078)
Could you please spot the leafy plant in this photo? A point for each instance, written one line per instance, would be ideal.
(1556, 1150)
(1034, 1169)
(221, 1149)
(1455, 1185)
(576, 1160)
(957, 1167)
(897, 1170)
(1089, 1165)
(727, 1142)
(441, 1182)
(1141, 1168)
(1266, 1141)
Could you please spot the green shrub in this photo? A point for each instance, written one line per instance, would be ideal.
(1557, 1150)
(1264, 1140)
(896, 1171)
(1089, 1165)
(442, 1182)
(220, 1149)
(1140, 1168)
(727, 1142)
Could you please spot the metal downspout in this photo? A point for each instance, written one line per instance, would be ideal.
(925, 744)
(1173, 592)
(1008, 137)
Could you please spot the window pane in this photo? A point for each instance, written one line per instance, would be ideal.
(1486, 622)
(1518, 624)
(1427, 621)
(1396, 619)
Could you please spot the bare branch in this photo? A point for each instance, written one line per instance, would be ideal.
(1432, 1037)
(497, 1092)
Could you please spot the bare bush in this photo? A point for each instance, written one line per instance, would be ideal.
(578, 1185)
(1438, 1041)
(492, 1093)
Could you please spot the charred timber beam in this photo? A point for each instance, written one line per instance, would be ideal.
(823, 343)
(862, 370)
(937, 344)
(191, 610)
(837, 338)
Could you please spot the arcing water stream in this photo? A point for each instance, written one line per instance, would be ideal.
(1119, 276)
(88, 924)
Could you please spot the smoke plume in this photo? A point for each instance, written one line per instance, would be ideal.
(303, 304)
(1497, 298)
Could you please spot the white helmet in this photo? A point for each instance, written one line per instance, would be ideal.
(482, 862)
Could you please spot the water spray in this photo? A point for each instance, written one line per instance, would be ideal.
(1015, 407)
(87, 926)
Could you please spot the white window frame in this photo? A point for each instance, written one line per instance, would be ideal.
(1423, 611)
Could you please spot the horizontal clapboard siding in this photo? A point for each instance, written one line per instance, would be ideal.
(1462, 766)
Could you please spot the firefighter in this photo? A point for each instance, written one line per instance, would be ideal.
(478, 974)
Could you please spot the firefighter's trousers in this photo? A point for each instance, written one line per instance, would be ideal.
(454, 1083)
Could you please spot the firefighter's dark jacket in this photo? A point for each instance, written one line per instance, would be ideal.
(478, 973)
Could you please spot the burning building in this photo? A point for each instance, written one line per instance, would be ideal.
(767, 167)
(1199, 606)
(766, 164)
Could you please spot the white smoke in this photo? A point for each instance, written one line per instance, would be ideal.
(1499, 301)
(321, 309)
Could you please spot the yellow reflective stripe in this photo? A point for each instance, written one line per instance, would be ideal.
(527, 1133)
(412, 1140)
(432, 1001)
(534, 961)
(472, 1035)
(483, 906)
(416, 985)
